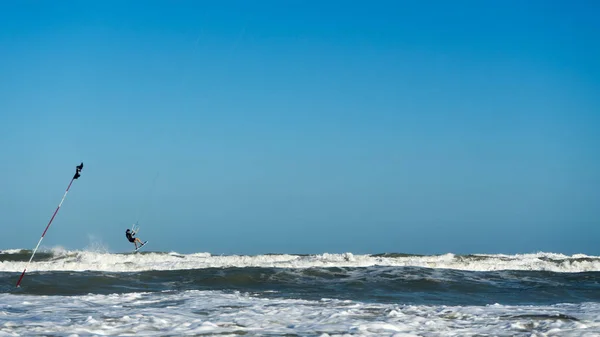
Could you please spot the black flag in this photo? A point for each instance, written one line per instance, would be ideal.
(79, 168)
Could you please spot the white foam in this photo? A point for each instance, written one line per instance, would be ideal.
(218, 313)
(11, 251)
(101, 261)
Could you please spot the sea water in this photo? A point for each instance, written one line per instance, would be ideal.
(82, 293)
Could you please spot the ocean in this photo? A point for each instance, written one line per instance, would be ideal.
(85, 293)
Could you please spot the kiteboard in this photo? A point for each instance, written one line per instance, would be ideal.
(142, 245)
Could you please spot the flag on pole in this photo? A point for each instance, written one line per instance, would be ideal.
(76, 176)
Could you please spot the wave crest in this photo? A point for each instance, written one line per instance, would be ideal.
(59, 259)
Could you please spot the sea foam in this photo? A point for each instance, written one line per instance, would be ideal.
(62, 260)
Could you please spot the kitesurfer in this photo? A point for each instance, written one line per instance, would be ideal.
(130, 236)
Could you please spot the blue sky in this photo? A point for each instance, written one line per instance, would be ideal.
(237, 127)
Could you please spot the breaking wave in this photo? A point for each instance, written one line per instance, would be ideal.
(59, 259)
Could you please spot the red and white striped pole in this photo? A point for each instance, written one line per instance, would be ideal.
(79, 168)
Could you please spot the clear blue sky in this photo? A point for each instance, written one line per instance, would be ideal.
(302, 126)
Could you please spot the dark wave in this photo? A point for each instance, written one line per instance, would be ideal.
(24, 255)
(379, 284)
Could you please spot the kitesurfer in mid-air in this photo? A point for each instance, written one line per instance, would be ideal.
(130, 236)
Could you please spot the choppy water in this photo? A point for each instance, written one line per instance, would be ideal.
(168, 294)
